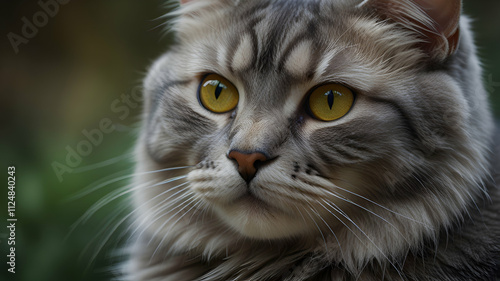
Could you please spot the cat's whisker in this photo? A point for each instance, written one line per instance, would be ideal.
(94, 208)
(182, 202)
(379, 205)
(115, 194)
(201, 215)
(160, 244)
(302, 215)
(149, 220)
(340, 220)
(112, 197)
(126, 156)
(112, 179)
(324, 187)
(331, 230)
(120, 193)
(159, 207)
(106, 181)
(201, 208)
(110, 232)
(353, 223)
(317, 226)
(367, 237)
(185, 213)
(371, 212)
(139, 226)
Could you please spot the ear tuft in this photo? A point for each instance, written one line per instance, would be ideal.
(437, 22)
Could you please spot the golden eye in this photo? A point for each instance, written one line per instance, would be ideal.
(217, 94)
(330, 102)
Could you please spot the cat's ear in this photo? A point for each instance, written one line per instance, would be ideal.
(437, 21)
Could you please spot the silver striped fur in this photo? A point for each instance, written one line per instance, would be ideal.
(401, 188)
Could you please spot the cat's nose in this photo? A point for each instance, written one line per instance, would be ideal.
(247, 163)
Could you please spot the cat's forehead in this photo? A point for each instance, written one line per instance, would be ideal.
(306, 42)
(287, 36)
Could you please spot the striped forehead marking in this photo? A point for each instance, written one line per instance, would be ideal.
(244, 54)
(222, 56)
(298, 62)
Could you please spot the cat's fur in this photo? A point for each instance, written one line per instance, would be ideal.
(401, 188)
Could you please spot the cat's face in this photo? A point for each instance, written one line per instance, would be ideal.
(298, 118)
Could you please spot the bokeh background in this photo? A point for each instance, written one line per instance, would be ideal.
(69, 77)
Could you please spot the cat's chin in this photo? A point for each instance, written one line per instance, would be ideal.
(254, 218)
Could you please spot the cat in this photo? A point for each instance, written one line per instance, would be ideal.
(317, 140)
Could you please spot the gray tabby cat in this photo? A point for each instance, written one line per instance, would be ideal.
(317, 140)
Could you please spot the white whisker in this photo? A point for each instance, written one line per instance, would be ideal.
(184, 203)
(110, 232)
(327, 225)
(319, 229)
(126, 156)
(117, 194)
(95, 207)
(160, 207)
(187, 203)
(371, 212)
(137, 227)
(93, 187)
(369, 239)
(381, 206)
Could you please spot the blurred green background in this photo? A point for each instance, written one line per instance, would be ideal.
(69, 77)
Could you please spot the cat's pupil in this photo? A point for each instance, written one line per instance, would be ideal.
(330, 99)
(218, 89)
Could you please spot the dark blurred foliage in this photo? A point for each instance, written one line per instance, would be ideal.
(65, 80)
